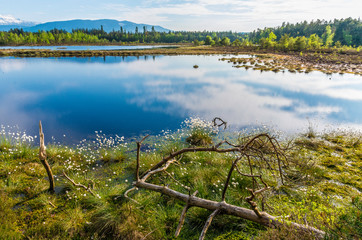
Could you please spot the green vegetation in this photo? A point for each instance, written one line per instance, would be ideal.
(322, 187)
(347, 32)
(344, 34)
(95, 36)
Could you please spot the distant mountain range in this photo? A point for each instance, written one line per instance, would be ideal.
(9, 22)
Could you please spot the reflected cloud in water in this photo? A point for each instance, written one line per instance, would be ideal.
(128, 95)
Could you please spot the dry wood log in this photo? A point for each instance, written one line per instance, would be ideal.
(43, 159)
(251, 148)
(265, 219)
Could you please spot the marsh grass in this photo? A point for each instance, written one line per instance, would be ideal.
(322, 185)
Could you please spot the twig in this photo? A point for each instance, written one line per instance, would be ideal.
(253, 193)
(193, 149)
(207, 224)
(149, 174)
(228, 178)
(148, 234)
(138, 157)
(221, 124)
(78, 184)
(126, 195)
(51, 204)
(183, 215)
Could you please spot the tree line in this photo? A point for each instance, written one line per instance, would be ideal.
(288, 37)
(99, 36)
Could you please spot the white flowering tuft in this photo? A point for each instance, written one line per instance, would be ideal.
(194, 123)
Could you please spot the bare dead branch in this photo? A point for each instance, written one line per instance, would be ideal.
(51, 204)
(148, 234)
(244, 174)
(261, 151)
(253, 193)
(228, 178)
(78, 184)
(237, 148)
(265, 219)
(193, 149)
(208, 223)
(126, 195)
(138, 157)
(223, 123)
(251, 171)
(183, 214)
(43, 159)
(149, 174)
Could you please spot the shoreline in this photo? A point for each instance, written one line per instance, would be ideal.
(328, 61)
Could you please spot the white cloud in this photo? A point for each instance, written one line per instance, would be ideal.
(236, 15)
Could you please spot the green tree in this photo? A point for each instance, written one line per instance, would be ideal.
(268, 42)
(300, 43)
(347, 38)
(283, 43)
(225, 41)
(216, 40)
(291, 43)
(328, 37)
(208, 40)
(196, 42)
(314, 42)
(236, 43)
(2, 38)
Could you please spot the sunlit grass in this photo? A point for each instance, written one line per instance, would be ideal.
(323, 178)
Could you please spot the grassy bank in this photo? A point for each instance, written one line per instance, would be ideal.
(321, 187)
(182, 50)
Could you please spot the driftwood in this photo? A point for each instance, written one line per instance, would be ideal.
(88, 189)
(255, 148)
(43, 159)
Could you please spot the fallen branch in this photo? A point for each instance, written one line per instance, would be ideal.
(208, 223)
(43, 159)
(183, 214)
(255, 147)
(78, 184)
(265, 219)
(126, 195)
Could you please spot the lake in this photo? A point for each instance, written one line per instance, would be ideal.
(130, 96)
(82, 48)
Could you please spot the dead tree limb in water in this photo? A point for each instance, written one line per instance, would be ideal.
(43, 158)
(260, 151)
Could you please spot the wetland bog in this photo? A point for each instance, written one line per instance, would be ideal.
(96, 104)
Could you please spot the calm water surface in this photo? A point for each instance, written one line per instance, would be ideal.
(129, 96)
(81, 48)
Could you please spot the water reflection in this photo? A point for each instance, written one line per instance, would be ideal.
(85, 47)
(130, 95)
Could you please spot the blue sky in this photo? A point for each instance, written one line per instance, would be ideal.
(218, 15)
